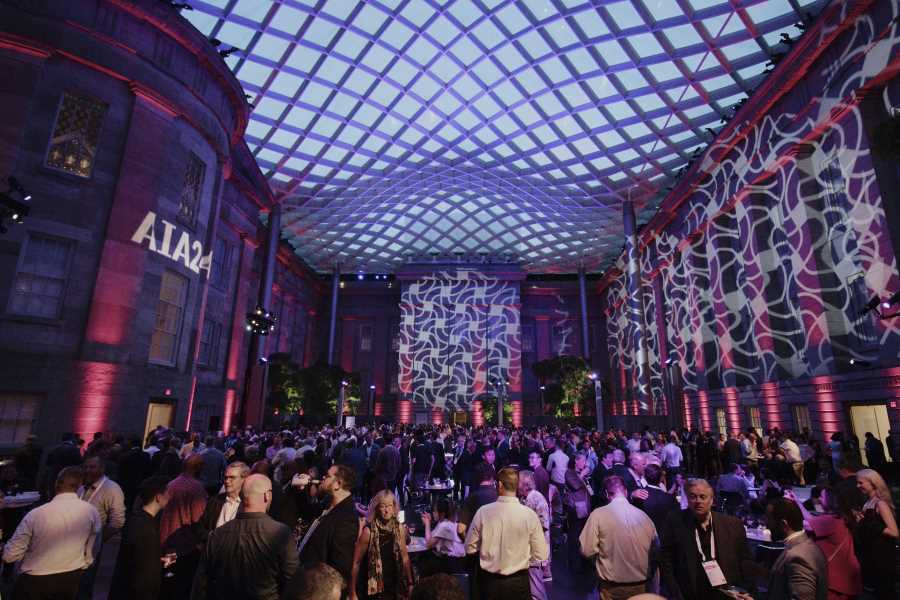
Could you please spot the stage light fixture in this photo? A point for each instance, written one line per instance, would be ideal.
(871, 305)
(895, 297)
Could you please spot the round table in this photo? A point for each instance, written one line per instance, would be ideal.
(437, 488)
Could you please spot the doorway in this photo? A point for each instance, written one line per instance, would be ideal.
(460, 417)
(870, 417)
(159, 412)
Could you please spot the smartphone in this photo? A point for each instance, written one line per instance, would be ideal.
(401, 517)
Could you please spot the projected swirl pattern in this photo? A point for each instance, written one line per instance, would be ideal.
(459, 330)
(774, 256)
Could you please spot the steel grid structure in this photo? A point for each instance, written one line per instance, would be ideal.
(507, 129)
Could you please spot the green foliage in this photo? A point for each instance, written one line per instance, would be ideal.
(566, 381)
(313, 389)
(489, 410)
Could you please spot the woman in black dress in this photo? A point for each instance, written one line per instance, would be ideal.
(380, 554)
(877, 535)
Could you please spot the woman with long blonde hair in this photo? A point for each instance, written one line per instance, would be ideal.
(382, 543)
(877, 534)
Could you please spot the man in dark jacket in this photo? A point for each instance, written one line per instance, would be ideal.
(134, 468)
(250, 557)
(222, 508)
(653, 500)
(702, 549)
(332, 537)
(138, 573)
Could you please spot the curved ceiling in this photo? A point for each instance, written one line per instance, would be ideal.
(396, 130)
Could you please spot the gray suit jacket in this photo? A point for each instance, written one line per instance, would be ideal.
(800, 573)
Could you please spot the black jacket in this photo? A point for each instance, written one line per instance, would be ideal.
(250, 558)
(658, 506)
(209, 518)
(334, 539)
(138, 572)
(680, 561)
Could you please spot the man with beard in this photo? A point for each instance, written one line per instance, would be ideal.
(332, 537)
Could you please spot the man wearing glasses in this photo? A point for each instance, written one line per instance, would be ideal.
(251, 556)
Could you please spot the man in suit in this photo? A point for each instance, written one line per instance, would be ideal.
(332, 537)
(653, 499)
(604, 469)
(732, 450)
(251, 556)
(222, 508)
(800, 573)
(541, 476)
(702, 549)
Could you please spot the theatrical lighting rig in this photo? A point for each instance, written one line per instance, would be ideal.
(260, 321)
(873, 304)
(11, 208)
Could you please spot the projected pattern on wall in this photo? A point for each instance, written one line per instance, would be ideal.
(777, 252)
(459, 330)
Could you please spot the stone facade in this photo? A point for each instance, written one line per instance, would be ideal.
(171, 195)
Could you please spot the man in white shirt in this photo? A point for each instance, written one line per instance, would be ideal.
(55, 542)
(507, 537)
(672, 456)
(107, 497)
(792, 456)
(619, 536)
(557, 465)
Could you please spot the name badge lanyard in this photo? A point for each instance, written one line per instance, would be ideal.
(94, 493)
(712, 544)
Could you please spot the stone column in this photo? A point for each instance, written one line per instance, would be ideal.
(258, 370)
(335, 285)
(585, 339)
(636, 307)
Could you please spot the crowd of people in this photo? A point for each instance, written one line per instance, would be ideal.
(326, 512)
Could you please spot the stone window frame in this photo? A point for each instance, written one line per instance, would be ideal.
(213, 329)
(191, 194)
(53, 134)
(366, 337)
(223, 257)
(30, 239)
(27, 424)
(177, 330)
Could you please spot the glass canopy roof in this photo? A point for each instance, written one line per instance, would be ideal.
(396, 130)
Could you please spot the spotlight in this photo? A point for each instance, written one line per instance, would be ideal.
(372, 387)
(592, 376)
(360, 276)
(543, 388)
(668, 361)
(15, 186)
(871, 305)
(895, 297)
(263, 360)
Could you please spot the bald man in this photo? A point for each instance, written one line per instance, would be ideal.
(253, 556)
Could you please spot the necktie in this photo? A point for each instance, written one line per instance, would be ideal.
(87, 492)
